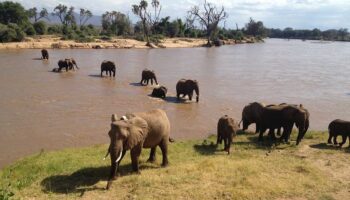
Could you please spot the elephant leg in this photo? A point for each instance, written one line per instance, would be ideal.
(178, 96)
(101, 73)
(152, 155)
(335, 140)
(155, 80)
(279, 131)
(257, 127)
(147, 81)
(260, 139)
(164, 147)
(330, 139)
(135, 154)
(151, 81)
(272, 134)
(113, 73)
(343, 140)
(66, 68)
(219, 139)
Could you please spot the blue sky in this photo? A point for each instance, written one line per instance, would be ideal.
(299, 14)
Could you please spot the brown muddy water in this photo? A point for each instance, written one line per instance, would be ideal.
(41, 110)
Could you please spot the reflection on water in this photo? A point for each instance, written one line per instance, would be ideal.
(45, 110)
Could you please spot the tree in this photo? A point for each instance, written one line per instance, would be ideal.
(40, 27)
(141, 11)
(209, 18)
(115, 23)
(11, 12)
(84, 16)
(60, 11)
(255, 28)
(33, 14)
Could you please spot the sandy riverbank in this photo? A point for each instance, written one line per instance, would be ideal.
(49, 42)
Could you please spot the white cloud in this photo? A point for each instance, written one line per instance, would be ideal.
(274, 13)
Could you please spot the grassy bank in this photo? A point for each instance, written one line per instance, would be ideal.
(197, 170)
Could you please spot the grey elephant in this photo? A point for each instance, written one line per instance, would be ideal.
(67, 63)
(339, 127)
(226, 130)
(44, 54)
(108, 67)
(159, 92)
(284, 117)
(134, 132)
(148, 75)
(186, 87)
(252, 113)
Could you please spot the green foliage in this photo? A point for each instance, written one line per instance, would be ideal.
(11, 12)
(115, 23)
(255, 28)
(156, 39)
(11, 33)
(55, 29)
(40, 27)
(29, 29)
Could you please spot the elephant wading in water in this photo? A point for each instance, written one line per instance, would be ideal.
(148, 75)
(44, 54)
(108, 67)
(186, 87)
(134, 132)
(227, 129)
(339, 127)
(252, 113)
(285, 117)
(67, 63)
(159, 92)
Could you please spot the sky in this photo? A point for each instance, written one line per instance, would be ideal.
(298, 14)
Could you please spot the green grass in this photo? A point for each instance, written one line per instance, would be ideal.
(198, 170)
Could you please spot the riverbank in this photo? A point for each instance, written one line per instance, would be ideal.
(197, 170)
(51, 42)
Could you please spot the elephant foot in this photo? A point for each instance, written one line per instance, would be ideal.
(151, 160)
(109, 184)
(165, 164)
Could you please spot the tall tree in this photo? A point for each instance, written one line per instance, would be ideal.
(255, 28)
(33, 14)
(11, 12)
(141, 11)
(116, 23)
(84, 16)
(61, 11)
(209, 18)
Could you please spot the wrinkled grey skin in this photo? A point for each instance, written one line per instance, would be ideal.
(108, 67)
(186, 87)
(226, 130)
(148, 75)
(159, 92)
(285, 117)
(252, 113)
(134, 132)
(67, 63)
(339, 127)
(44, 54)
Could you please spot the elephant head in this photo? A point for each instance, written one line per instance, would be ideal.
(125, 134)
(252, 113)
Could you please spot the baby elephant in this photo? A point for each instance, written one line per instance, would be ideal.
(227, 129)
(108, 67)
(339, 127)
(44, 54)
(159, 92)
(148, 75)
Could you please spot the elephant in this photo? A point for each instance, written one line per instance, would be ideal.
(134, 132)
(186, 87)
(159, 92)
(44, 54)
(285, 117)
(109, 67)
(339, 127)
(227, 128)
(252, 113)
(67, 63)
(148, 75)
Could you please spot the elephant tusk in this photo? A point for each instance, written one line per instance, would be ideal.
(120, 155)
(106, 155)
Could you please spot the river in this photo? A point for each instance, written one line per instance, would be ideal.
(42, 110)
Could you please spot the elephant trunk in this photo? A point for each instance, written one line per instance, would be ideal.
(116, 149)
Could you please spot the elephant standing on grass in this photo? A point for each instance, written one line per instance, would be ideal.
(186, 87)
(44, 54)
(67, 63)
(108, 67)
(252, 113)
(134, 132)
(148, 75)
(339, 127)
(227, 129)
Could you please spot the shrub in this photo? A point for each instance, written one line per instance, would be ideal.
(156, 38)
(139, 37)
(11, 33)
(55, 29)
(40, 27)
(29, 29)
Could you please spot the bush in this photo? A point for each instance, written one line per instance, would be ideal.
(156, 38)
(40, 27)
(11, 33)
(29, 29)
(55, 29)
(105, 37)
(139, 37)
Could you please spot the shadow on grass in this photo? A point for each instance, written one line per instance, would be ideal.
(205, 148)
(324, 146)
(85, 179)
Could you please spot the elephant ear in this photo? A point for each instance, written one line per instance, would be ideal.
(138, 130)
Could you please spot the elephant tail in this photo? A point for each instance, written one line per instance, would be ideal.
(171, 140)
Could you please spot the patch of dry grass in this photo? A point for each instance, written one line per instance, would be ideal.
(198, 170)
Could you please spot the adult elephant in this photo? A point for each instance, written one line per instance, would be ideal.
(148, 75)
(44, 54)
(108, 67)
(134, 132)
(67, 63)
(252, 113)
(339, 127)
(285, 117)
(186, 87)
(226, 130)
